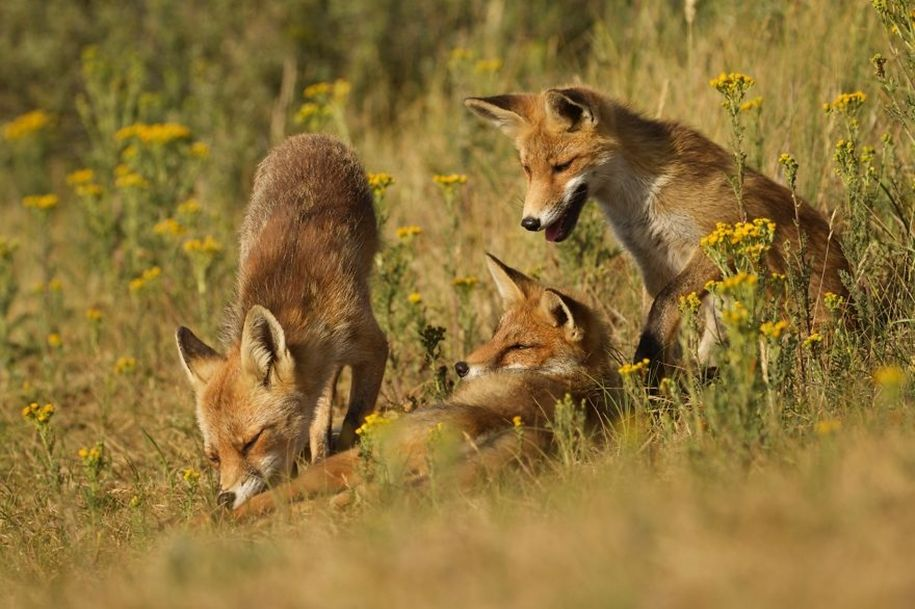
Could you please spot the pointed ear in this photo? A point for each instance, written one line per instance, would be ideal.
(570, 108)
(264, 355)
(507, 112)
(199, 359)
(559, 310)
(511, 284)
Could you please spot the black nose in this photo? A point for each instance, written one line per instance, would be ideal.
(462, 369)
(226, 499)
(531, 223)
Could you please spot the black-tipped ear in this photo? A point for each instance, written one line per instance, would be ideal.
(199, 359)
(570, 108)
(512, 285)
(507, 112)
(560, 310)
(263, 346)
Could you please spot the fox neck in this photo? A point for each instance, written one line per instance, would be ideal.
(630, 187)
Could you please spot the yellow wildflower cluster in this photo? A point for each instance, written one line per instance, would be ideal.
(846, 103)
(751, 104)
(169, 228)
(310, 110)
(199, 150)
(125, 365)
(415, 298)
(80, 176)
(487, 66)
(773, 329)
(155, 133)
(380, 182)
(814, 339)
(41, 202)
(39, 415)
(690, 302)
(130, 179)
(25, 125)
(407, 232)
(788, 162)
(374, 422)
(827, 427)
(94, 314)
(188, 208)
(339, 89)
(517, 422)
(145, 278)
(54, 340)
(466, 282)
(460, 54)
(833, 301)
(890, 377)
(627, 370)
(207, 246)
(93, 458)
(751, 239)
(733, 85)
(449, 180)
(734, 284)
(190, 475)
(735, 315)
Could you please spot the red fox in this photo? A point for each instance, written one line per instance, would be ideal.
(547, 345)
(662, 187)
(302, 312)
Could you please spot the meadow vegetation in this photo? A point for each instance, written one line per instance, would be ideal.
(129, 134)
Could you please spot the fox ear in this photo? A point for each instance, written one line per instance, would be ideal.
(507, 112)
(511, 284)
(558, 309)
(264, 354)
(570, 108)
(199, 359)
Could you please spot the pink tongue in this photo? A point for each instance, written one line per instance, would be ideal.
(554, 232)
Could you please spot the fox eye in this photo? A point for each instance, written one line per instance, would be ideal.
(560, 167)
(519, 347)
(250, 443)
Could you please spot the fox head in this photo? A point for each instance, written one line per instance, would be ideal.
(541, 330)
(249, 407)
(562, 148)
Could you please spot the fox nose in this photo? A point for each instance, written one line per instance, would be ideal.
(226, 499)
(462, 369)
(531, 223)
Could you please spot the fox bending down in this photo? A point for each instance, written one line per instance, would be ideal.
(662, 187)
(546, 345)
(302, 312)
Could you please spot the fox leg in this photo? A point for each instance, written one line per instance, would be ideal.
(657, 341)
(331, 475)
(367, 374)
(319, 432)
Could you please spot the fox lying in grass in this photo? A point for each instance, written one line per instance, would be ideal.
(662, 187)
(547, 345)
(303, 311)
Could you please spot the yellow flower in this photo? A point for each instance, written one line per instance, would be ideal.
(752, 104)
(516, 421)
(627, 370)
(833, 302)
(449, 180)
(88, 190)
(773, 330)
(415, 298)
(468, 282)
(690, 302)
(380, 182)
(130, 152)
(846, 103)
(736, 315)
(460, 54)
(208, 246)
(736, 282)
(487, 66)
(190, 475)
(814, 339)
(144, 279)
(374, 422)
(733, 85)
(131, 180)
(890, 377)
(125, 365)
(80, 176)
(38, 415)
(25, 125)
(169, 227)
(191, 207)
(156, 133)
(55, 285)
(94, 314)
(93, 458)
(200, 150)
(827, 427)
(41, 202)
(54, 340)
(317, 89)
(121, 170)
(406, 232)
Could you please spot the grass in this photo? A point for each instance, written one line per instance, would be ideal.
(793, 488)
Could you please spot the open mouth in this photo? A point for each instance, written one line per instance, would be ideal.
(563, 226)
